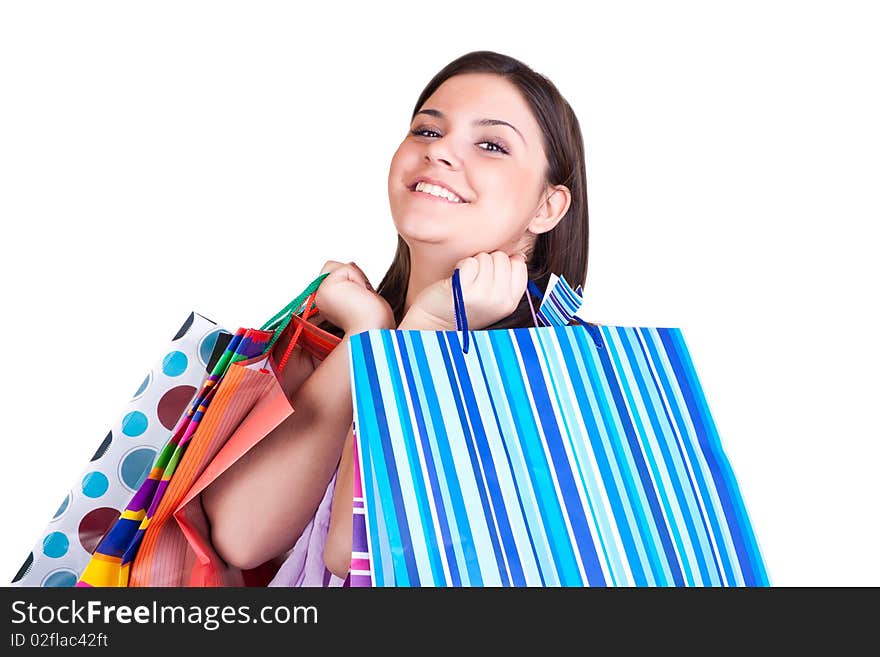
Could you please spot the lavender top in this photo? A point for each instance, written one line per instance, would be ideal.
(304, 565)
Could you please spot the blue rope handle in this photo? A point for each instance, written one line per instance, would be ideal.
(534, 289)
(593, 330)
(458, 308)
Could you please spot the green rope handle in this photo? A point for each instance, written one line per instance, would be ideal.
(283, 317)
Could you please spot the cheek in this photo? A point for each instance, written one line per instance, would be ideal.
(398, 156)
(397, 171)
(506, 200)
(406, 156)
(492, 228)
(505, 208)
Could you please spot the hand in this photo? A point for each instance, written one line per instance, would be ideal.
(491, 284)
(346, 298)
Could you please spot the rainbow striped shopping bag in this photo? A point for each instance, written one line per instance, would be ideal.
(111, 562)
(558, 455)
(176, 549)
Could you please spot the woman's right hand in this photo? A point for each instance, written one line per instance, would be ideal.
(346, 298)
(492, 285)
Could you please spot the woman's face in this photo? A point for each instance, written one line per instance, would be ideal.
(496, 170)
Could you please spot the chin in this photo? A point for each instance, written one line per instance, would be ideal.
(419, 228)
(422, 237)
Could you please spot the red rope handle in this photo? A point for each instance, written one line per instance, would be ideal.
(308, 313)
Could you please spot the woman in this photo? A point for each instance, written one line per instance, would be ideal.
(490, 179)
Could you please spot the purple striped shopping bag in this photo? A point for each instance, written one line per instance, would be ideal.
(559, 455)
(360, 572)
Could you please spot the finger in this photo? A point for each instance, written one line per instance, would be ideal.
(468, 268)
(363, 276)
(354, 275)
(340, 271)
(519, 277)
(501, 281)
(330, 265)
(501, 285)
(486, 275)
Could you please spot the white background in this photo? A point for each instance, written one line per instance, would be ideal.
(174, 156)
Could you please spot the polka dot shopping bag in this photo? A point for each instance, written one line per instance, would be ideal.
(123, 458)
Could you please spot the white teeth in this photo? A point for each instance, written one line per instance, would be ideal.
(436, 190)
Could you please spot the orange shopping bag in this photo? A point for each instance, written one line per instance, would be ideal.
(249, 404)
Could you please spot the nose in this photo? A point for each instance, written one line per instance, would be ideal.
(440, 151)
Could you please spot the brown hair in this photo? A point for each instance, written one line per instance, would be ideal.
(562, 250)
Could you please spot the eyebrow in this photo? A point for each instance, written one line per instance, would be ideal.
(440, 115)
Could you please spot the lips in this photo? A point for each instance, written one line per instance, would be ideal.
(439, 183)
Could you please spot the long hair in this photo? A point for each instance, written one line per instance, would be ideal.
(562, 250)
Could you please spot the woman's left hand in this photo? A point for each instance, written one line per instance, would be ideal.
(492, 285)
(347, 299)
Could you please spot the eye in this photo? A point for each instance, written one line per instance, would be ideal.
(418, 131)
(498, 147)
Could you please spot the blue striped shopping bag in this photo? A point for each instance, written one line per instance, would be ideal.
(559, 455)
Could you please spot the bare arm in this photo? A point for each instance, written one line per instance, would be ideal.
(259, 507)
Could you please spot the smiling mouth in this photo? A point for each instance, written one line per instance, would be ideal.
(412, 188)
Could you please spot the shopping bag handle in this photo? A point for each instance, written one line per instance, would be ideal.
(459, 310)
(281, 320)
(282, 317)
(531, 289)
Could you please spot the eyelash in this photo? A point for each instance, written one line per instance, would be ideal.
(501, 148)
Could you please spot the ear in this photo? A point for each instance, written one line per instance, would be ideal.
(554, 205)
